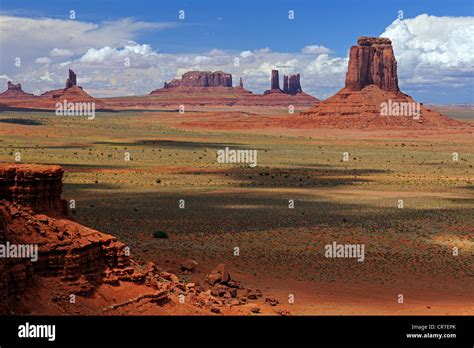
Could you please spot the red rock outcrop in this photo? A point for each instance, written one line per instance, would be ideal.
(372, 62)
(35, 186)
(291, 84)
(202, 79)
(275, 81)
(14, 91)
(81, 256)
(194, 90)
(14, 87)
(48, 100)
(72, 92)
(285, 84)
(71, 259)
(16, 274)
(291, 94)
(294, 85)
(371, 89)
(72, 80)
(65, 248)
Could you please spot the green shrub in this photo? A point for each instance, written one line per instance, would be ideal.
(160, 234)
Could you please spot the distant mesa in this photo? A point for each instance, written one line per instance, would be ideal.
(200, 84)
(291, 84)
(194, 88)
(199, 88)
(372, 82)
(15, 91)
(202, 79)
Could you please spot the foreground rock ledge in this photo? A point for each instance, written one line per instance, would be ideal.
(76, 260)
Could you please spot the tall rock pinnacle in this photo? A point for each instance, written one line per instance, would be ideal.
(294, 85)
(72, 80)
(275, 84)
(372, 62)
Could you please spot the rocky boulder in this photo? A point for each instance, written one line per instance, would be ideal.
(218, 275)
(188, 266)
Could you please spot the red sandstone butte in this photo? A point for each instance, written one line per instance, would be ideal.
(371, 81)
(275, 81)
(292, 93)
(204, 88)
(72, 93)
(72, 80)
(285, 84)
(291, 84)
(294, 85)
(14, 91)
(372, 62)
(202, 79)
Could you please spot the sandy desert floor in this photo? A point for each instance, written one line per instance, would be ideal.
(408, 251)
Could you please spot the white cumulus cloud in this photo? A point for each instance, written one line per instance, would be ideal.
(43, 60)
(315, 49)
(433, 50)
(60, 52)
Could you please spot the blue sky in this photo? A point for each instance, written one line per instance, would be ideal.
(237, 26)
(248, 24)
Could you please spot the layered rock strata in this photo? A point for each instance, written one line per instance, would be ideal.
(35, 186)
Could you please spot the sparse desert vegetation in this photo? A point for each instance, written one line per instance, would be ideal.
(228, 206)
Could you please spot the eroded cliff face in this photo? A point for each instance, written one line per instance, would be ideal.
(35, 186)
(372, 62)
(65, 248)
(30, 195)
(16, 274)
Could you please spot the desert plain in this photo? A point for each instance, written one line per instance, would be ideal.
(172, 160)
